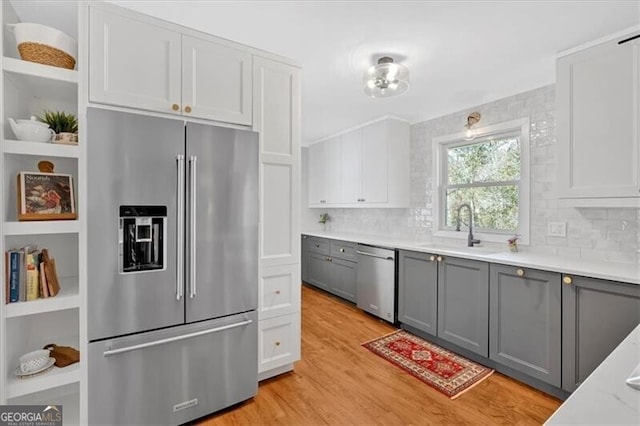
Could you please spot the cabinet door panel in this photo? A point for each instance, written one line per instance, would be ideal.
(133, 63)
(216, 81)
(375, 163)
(525, 321)
(463, 303)
(351, 166)
(596, 316)
(278, 341)
(333, 174)
(344, 279)
(598, 135)
(319, 272)
(418, 291)
(279, 291)
(317, 195)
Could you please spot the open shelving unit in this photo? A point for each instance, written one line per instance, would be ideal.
(27, 89)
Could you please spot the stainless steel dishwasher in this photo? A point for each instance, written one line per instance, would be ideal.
(377, 281)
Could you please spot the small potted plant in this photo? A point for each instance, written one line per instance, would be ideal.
(65, 125)
(513, 243)
(324, 218)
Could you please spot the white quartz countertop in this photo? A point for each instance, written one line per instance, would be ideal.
(604, 398)
(624, 272)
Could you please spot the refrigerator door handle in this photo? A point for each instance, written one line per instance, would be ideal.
(174, 339)
(192, 226)
(180, 231)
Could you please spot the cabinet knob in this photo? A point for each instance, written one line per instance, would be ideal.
(175, 107)
(304, 237)
(317, 245)
(567, 279)
(277, 343)
(520, 272)
(277, 291)
(187, 109)
(341, 250)
(331, 259)
(439, 258)
(432, 258)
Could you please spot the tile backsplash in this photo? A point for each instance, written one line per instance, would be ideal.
(602, 234)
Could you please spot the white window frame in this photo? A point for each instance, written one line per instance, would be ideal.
(518, 127)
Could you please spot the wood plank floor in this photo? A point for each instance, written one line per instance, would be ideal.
(338, 382)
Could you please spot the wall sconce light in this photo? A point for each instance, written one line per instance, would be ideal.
(472, 119)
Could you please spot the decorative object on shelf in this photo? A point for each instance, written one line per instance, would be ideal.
(45, 196)
(64, 355)
(30, 274)
(48, 366)
(513, 243)
(385, 79)
(324, 218)
(53, 286)
(65, 126)
(45, 45)
(469, 133)
(33, 361)
(439, 368)
(32, 130)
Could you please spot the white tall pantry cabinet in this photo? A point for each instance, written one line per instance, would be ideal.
(145, 65)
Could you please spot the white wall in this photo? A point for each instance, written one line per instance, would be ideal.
(603, 234)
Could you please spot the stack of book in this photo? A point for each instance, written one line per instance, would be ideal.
(30, 274)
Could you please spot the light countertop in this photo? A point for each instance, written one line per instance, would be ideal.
(624, 272)
(604, 398)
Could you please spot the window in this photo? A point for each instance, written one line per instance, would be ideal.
(490, 174)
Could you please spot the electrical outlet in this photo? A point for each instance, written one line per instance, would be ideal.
(557, 229)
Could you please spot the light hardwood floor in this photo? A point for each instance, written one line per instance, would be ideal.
(338, 382)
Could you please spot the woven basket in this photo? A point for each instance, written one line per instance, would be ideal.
(43, 54)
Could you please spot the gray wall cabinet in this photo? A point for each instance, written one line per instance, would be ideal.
(418, 290)
(597, 315)
(463, 303)
(330, 265)
(525, 321)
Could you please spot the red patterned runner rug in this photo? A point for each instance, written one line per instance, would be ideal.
(445, 371)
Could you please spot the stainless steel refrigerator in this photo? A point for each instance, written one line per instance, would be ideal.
(173, 269)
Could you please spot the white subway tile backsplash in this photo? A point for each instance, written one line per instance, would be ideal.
(592, 234)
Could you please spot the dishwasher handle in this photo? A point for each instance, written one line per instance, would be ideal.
(364, 253)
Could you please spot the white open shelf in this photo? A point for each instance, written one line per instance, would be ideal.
(53, 378)
(41, 227)
(44, 149)
(67, 298)
(47, 81)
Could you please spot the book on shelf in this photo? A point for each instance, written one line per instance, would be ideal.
(30, 274)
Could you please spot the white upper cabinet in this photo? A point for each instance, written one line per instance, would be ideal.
(598, 90)
(372, 167)
(148, 64)
(216, 81)
(133, 63)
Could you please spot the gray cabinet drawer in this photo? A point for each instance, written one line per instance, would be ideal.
(318, 245)
(344, 250)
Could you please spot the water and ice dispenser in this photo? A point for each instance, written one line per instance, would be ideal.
(142, 238)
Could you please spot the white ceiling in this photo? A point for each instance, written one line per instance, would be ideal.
(460, 54)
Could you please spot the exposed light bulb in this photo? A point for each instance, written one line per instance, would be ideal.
(371, 84)
(469, 135)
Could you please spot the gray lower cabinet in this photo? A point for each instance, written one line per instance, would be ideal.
(525, 321)
(418, 290)
(330, 265)
(319, 270)
(597, 315)
(343, 278)
(463, 303)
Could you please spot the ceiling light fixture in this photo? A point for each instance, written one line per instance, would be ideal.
(472, 119)
(385, 79)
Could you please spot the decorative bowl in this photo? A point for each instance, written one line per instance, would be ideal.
(34, 361)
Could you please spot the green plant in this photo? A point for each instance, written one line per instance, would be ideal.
(60, 121)
(324, 218)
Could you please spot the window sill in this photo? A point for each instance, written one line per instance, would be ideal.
(483, 237)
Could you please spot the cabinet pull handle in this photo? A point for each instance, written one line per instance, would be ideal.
(175, 107)
(187, 109)
(341, 250)
(277, 291)
(520, 272)
(567, 279)
(439, 258)
(432, 258)
(317, 245)
(277, 343)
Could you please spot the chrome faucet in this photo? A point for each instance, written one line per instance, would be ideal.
(470, 240)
